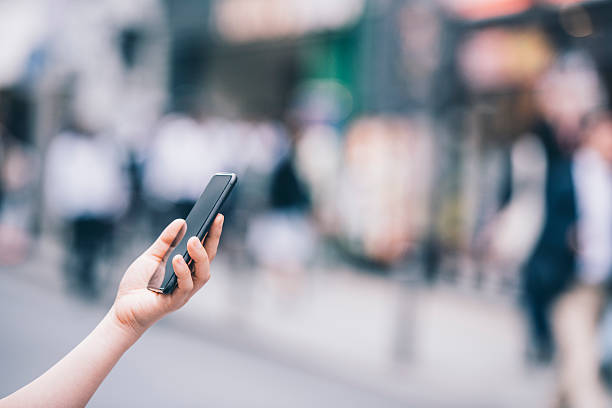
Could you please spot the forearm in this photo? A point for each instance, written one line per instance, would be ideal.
(74, 379)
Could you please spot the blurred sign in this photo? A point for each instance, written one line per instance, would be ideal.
(565, 2)
(496, 58)
(254, 20)
(485, 9)
(326, 101)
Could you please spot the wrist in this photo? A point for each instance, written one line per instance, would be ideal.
(122, 332)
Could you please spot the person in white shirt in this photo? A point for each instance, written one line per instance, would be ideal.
(171, 186)
(577, 312)
(86, 187)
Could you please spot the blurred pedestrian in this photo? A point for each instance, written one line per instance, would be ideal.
(568, 92)
(289, 225)
(550, 267)
(86, 186)
(577, 312)
(172, 187)
(18, 167)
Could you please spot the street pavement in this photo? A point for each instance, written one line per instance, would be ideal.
(39, 327)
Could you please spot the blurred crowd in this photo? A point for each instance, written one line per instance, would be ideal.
(472, 138)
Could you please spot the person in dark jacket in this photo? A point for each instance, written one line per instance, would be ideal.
(550, 268)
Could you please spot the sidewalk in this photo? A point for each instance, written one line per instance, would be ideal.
(401, 340)
(439, 345)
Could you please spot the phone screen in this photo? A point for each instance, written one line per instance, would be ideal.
(198, 222)
(202, 209)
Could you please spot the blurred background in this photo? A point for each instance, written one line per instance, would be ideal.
(424, 206)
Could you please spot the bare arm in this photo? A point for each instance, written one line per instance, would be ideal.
(74, 379)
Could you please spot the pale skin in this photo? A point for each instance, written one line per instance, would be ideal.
(73, 380)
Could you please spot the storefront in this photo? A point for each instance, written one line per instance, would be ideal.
(248, 57)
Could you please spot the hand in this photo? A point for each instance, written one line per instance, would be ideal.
(136, 308)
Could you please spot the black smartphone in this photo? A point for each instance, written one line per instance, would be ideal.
(198, 222)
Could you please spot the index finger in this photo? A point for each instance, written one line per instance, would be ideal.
(167, 240)
(212, 238)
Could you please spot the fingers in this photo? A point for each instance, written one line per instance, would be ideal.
(183, 276)
(168, 239)
(200, 254)
(212, 239)
(201, 264)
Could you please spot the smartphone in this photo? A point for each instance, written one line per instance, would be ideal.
(198, 222)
